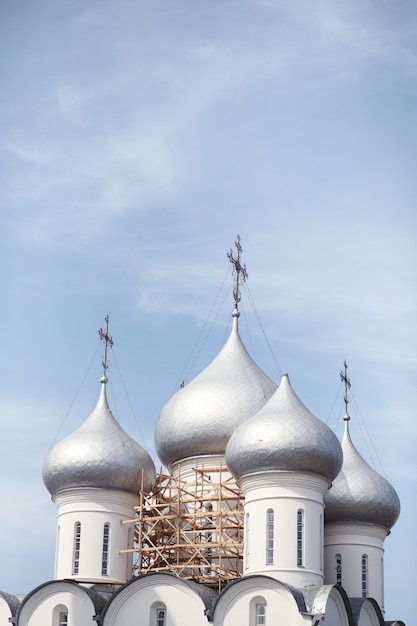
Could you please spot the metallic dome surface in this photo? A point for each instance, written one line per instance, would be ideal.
(284, 436)
(200, 417)
(98, 454)
(359, 494)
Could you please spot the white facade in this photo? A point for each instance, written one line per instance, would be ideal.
(284, 518)
(49, 603)
(240, 603)
(354, 558)
(91, 537)
(142, 599)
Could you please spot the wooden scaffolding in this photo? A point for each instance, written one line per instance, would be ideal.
(192, 528)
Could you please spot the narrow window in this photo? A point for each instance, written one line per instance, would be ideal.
(60, 615)
(105, 554)
(300, 538)
(260, 615)
(77, 542)
(321, 543)
(161, 617)
(58, 535)
(63, 619)
(270, 537)
(338, 558)
(158, 614)
(247, 521)
(364, 575)
(382, 582)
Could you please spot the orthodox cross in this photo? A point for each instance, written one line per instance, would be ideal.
(346, 380)
(239, 270)
(108, 341)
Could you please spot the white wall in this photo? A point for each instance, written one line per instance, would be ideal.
(38, 609)
(368, 615)
(5, 613)
(236, 606)
(93, 508)
(352, 541)
(135, 603)
(285, 493)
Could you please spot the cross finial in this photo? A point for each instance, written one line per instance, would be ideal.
(239, 270)
(346, 380)
(108, 341)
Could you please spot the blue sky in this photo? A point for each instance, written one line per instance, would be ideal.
(136, 140)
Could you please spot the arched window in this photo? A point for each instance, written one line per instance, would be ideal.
(260, 614)
(105, 552)
(270, 537)
(364, 575)
(338, 558)
(161, 617)
(257, 611)
(300, 538)
(60, 615)
(158, 615)
(76, 551)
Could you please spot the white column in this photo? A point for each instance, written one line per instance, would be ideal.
(92, 509)
(296, 502)
(345, 546)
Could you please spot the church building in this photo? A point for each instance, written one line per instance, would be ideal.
(261, 517)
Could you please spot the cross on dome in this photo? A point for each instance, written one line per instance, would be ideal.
(346, 381)
(108, 341)
(239, 270)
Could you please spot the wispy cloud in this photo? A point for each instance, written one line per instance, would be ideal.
(139, 159)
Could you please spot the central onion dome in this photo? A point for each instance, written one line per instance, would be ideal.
(99, 454)
(359, 494)
(284, 436)
(200, 418)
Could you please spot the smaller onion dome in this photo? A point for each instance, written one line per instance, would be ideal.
(99, 454)
(284, 436)
(200, 417)
(359, 494)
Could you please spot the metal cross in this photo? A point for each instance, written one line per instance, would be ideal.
(346, 380)
(239, 270)
(108, 341)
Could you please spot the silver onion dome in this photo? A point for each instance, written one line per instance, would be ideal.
(284, 436)
(359, 494)
(200, 417)
(99, 454)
